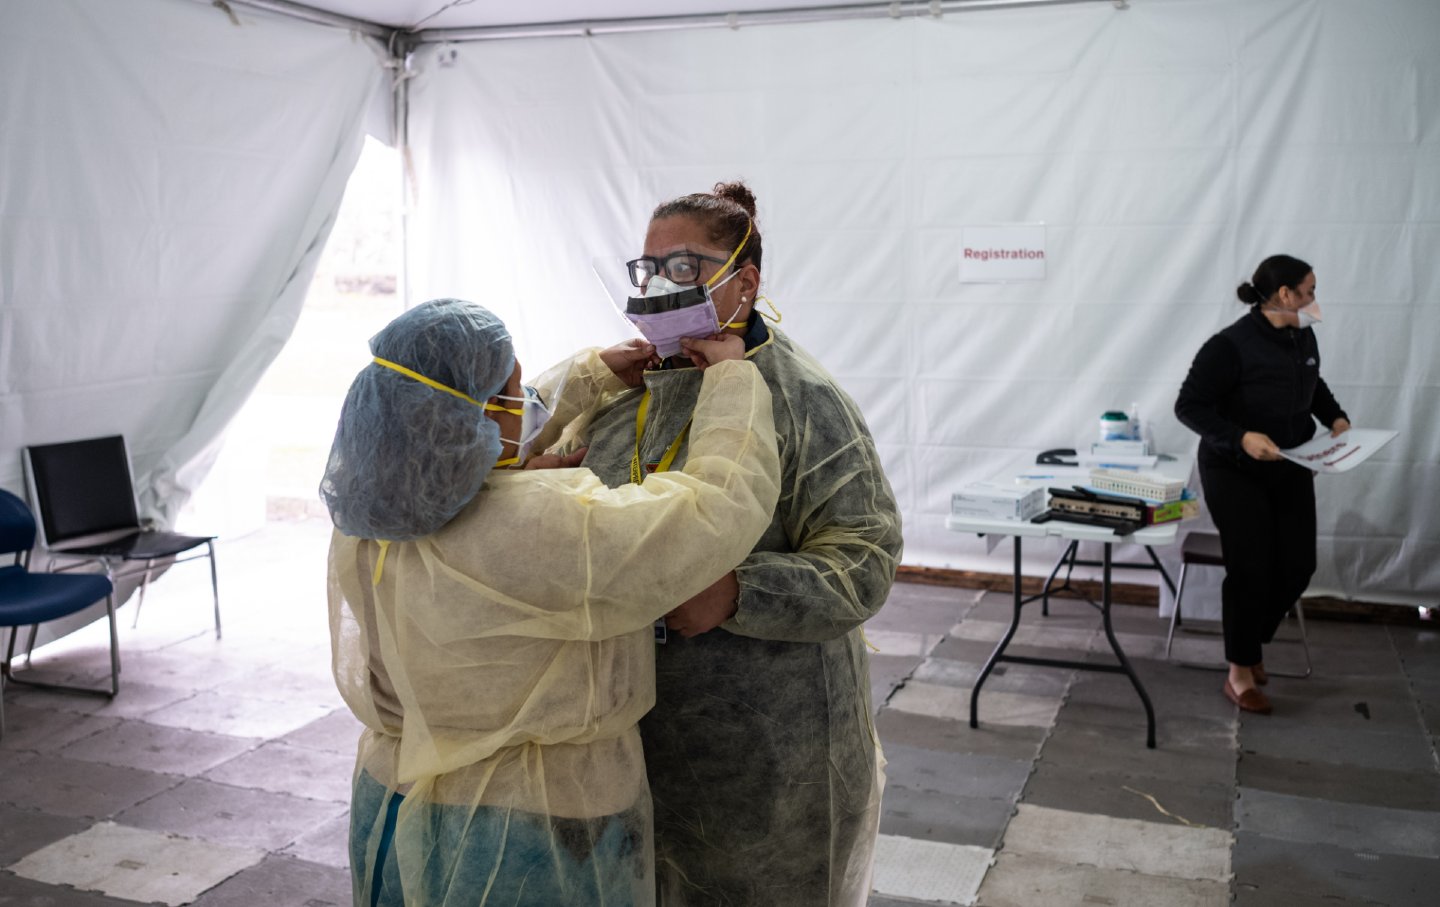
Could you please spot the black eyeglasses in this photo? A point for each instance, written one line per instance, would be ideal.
(681, 267)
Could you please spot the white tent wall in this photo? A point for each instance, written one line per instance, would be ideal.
(170, 176)
(1167, 148)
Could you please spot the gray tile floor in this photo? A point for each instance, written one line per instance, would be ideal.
(220, 775)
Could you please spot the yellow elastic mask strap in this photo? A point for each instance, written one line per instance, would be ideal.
(380, 563)
(771, 303)
(429, 382)
(733, 255)
(497, 408)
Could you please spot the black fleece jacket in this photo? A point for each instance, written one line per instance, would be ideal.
(1253, 376)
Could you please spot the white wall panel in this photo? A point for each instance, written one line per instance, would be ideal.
(980, 342)
(838, 266)
(1139, 264)
(1332, 184)
(960, 191)
(802, 126)
(844, 195)
(168, 181)
(1166, 148)
(856, 338)
(993, 114)
(1150, 186)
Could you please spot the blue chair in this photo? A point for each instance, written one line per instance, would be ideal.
(30, 599)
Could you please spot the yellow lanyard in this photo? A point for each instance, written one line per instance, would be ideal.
(380, 562)
(637, 472)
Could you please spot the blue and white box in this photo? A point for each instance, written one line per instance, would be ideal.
(993, 501)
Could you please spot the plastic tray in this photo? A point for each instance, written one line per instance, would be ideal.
(1149, 486)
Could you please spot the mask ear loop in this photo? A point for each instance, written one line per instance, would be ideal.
(505, 462)
(773, 308)
(734, 324)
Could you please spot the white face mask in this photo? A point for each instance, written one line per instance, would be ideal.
(1305, 316)
(533, 416)
(660, 285)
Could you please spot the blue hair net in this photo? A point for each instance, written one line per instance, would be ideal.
(407, 456)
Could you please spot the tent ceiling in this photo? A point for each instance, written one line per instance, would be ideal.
(492, 13)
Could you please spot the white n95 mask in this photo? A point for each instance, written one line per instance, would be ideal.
(1304, 316)
(534, 414)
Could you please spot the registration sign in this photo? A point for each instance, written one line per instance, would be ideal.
(1002, 252)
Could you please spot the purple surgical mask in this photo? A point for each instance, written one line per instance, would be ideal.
(664, 325)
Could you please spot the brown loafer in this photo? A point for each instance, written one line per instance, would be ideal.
(1261, 678)
(1248, 701)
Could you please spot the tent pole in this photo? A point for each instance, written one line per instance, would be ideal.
(910, 9)
(311, 14)
(403, 50)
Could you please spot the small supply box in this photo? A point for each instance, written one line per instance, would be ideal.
(1151, 487)
(993, 501)
(1125, 448)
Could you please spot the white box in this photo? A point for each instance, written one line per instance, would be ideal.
(1124, 448)
(993, 501)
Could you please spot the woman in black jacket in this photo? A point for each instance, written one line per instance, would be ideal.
(1253, 390)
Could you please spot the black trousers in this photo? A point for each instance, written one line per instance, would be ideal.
(1266, 519)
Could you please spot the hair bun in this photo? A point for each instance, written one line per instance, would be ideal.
(738, 193)
(1248, 294)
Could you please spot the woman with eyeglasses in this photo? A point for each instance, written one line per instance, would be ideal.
(492, 627)
(763, 760)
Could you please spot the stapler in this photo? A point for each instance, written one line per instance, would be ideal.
(1056, 457)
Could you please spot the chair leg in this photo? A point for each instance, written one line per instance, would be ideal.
(4, 676)
(1304, 640)
(1177, 619)
(144, 587)
(8, 674)
(1175, 615)
(1304, 646)
(30, 646)
(114, 645)
(214, 587)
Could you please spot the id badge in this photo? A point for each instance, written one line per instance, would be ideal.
(662, 634)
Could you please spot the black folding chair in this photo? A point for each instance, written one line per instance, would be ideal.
(1203, 549)
(83, 493)
(30, 599)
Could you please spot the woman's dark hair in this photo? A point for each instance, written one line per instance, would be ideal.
(726, 211)
(1274, 272)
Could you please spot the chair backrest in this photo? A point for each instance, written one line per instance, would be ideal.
(81, 488)
(17, 525)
